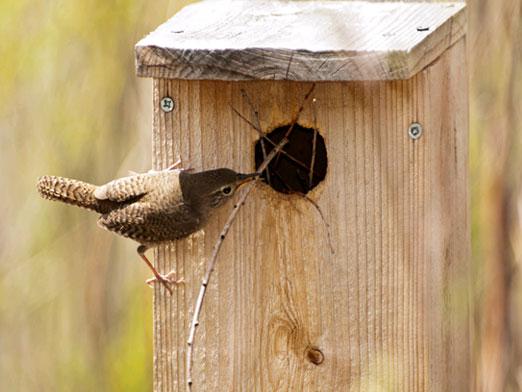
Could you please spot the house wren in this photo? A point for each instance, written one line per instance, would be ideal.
(151, 208)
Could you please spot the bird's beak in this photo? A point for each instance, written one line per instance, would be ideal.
(244, 178)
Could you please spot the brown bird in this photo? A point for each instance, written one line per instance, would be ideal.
(151, 208)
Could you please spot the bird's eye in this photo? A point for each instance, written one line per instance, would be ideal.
(226, 190)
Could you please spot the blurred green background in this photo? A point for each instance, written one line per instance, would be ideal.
(74, 312)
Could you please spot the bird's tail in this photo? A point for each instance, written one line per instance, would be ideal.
(73, 192)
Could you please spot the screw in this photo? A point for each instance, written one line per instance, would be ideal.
(415, 131)
(167, 104)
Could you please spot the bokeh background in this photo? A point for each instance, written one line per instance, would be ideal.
(74, 312)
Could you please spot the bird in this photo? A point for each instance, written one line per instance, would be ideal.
(152, 208)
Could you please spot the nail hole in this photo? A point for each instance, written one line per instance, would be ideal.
(314, 355)
(290, 173)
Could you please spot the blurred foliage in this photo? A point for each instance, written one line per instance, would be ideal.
(74, 312)
(495, 54)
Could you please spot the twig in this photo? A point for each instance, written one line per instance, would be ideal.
(264, 136)
(315, 205)
(256, 126)
(314, 143)
(296, 118)
(215, 251)
(213, 258)
(326, 225)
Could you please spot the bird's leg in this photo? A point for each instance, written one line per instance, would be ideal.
(163, 279)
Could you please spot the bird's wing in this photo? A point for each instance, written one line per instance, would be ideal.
(134, 186)
(145, 223)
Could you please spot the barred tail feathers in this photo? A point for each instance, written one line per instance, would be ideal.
(71, 191)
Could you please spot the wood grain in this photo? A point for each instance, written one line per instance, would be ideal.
(391, 308)
(301, 41)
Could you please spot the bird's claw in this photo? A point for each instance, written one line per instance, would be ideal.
(175, 165)
(165, 280)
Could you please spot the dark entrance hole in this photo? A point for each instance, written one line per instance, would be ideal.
(289, 172)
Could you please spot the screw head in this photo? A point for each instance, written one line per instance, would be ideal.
(415, 131)
(167, 104)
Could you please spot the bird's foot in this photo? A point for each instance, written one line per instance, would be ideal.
(176, 165)
(165, 280)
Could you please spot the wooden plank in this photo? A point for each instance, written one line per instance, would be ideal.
(302, 41)
(390, 310)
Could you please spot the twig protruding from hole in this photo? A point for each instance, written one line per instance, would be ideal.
(264, 137)
(314, 143)
(325, 223)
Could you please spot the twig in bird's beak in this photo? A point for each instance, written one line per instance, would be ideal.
(244, 178)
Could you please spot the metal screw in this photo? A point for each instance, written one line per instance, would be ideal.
(415, 131)
(167, 104)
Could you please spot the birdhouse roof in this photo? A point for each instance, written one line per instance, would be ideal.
(300, 40)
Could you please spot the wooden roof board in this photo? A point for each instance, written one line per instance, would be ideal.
(300, 40)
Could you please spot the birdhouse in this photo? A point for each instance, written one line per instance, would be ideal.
(348, 267)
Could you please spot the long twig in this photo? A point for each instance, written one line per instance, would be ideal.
(215, 251)
(213, 258)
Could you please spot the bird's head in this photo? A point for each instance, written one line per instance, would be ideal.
(212, 188)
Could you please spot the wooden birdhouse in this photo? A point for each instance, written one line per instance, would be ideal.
(348, 267)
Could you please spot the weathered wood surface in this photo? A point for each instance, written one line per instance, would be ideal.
(300, 40)
(391, 308)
